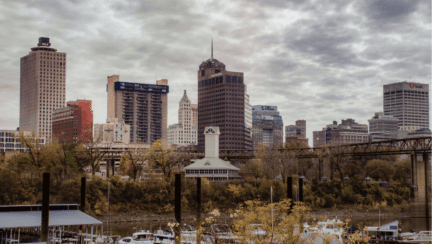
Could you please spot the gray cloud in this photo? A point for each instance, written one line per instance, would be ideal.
(320, 61)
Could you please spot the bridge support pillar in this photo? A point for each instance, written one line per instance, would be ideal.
(326, 168)
(420, 202)
(113, 166)
(108, 161)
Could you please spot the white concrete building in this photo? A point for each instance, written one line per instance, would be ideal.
(248, 117)
(113, 131)
(9, 140)
(185, 132)
(211, 166)
(409, 103)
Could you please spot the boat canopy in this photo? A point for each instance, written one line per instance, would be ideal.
(63, 215)
(392, 226)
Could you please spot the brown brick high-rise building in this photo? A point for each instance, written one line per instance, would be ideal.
(42, 87)
(74, 123)
(221, 102)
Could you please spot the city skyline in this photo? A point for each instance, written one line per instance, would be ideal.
(318, 62)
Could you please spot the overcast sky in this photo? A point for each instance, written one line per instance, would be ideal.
(318, 60)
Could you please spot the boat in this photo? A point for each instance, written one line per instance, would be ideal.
(187, 230)
(125, 240)
(143, 237)
(164, 236)
(323, 229)
(219, 232)
(387, 231)
(421, 236)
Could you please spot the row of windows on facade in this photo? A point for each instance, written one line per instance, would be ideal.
(220, 106)
(212, 89)
(405, 91)
(11, 145)
(209, 171)
(406, 95)
(208, 96)
(219, 80)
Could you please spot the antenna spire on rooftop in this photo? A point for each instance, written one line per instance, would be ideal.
(211, 49)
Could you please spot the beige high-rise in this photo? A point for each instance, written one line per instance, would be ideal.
(195, 114)
(144, 107)
(185, 132)
(111, 95)
(42, 87)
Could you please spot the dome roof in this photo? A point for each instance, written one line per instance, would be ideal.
(213, 61)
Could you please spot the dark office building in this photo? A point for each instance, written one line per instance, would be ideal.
(221, 102)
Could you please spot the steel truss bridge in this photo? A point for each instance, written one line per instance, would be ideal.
(400, 146)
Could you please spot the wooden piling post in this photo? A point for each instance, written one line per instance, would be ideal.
(45, 207)
(198, 223)
(177, 207)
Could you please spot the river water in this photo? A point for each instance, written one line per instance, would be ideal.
(405, 223)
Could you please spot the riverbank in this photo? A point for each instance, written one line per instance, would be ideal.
(315, 213)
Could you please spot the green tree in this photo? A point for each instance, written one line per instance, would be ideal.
(35, 154)
(402, 171)
(255, 167)
(351, 169)
(379, 169)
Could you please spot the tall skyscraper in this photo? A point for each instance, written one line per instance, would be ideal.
(73, 123)
(42, 87)
(142, 106)
(185, 132)
(267, 126)
(409, 103)
(221, 102)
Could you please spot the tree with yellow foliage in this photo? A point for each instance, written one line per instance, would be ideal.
(161, 155)
(270, 160)
(90, 154)
(132, 162)
(255, 223)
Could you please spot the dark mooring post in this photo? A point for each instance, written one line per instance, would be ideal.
(427, 191)
(45, 207)
(198, 223)
(300, 190)
(177, 207)
(320, 166)
(83, 188)
(82, 207)
(289, 192)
